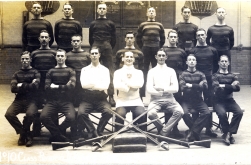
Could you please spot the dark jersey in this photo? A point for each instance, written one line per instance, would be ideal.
(138, 55)
(26, 77)
(102, 29)
(64, 30)
(198, 81)
(186, 33)
(220, 37)
(32, 30)
(150, 34)
(227, 91)
(65, 78)
(207, 59)
(176, 59)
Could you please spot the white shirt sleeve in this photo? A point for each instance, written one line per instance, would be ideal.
(103, 80)
(118, 82)
(85, 79)
(137, 79)
(150, 84)
(174, 85)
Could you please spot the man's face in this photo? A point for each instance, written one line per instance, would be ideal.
(44, 39)
(67, 10)
(186, 14)
(191, 61)
(76, 42)
(128, 59)
(151, 13)
(94, 55)
(221, 13)
(60, 57)
(161, 57)
(102, 9)
(201, 36)
(25, 61)
(129, 39)
(36, 9)
(173, 37)
(223, 63)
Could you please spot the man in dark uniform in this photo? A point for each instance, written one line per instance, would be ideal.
(102, 34)
(32, 29)
(137, 54)
(59, 84)
(24, 84)
(224, 84)
(66, 27)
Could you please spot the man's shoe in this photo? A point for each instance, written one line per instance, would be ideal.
(94, 134)
(162, 133)
(231, 139)
(29, 140)
(176, 133)
(226, 138)
(196, 136)
(189, 136)
(112, 101)
(210, 132)
(21, 140)
(59, 138)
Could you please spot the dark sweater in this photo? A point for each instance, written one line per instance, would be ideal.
(64, 30)
(28, 89)
(222, 37)
(65, 78)
(227, 91)
(176, 59)
(150, 34)
(102, 29)
(198, 81)
(207, 59)
(186, 32)
(32, 30)
(138, 55)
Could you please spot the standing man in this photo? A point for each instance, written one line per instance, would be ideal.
(137, 55)
(161, 84)
(207, 58)
(127, 81)
(102, 34)
(186, 30)
(221, 36)
(32, 29)
(24, 84)
(224, 84)
(59, 84)
(192, 83)
(66, 27)
(94, 79)
(150, 38)
(177, 61)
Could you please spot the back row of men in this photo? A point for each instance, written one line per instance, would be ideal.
(150, 38)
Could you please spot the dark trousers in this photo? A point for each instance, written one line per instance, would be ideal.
(208, 93)
(228, 105)
(136, 111)
(51, 109)
(200, 107)
(105, 50)
(20, 106)
(87, 107)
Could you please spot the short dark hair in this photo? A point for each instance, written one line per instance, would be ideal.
(25, 52)
(68, 3)
(191, 55)
(224, 56)
(94, 47)
(123, 54)
(44, 31)
(76, 35)
(61, 50)
(172, 31)
(201, 29)
(163, 50)
(185, 7)
(130, 32)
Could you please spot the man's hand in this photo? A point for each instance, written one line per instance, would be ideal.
(19, 84)
(33, 81)
(189, 85)
(235, 83)
(54, 86)
(222, 85)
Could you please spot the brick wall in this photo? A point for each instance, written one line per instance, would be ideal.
(10, 62)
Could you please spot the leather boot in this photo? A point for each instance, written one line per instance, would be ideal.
(101, 127)
(29, 139)
(158, 125)
(22, 138)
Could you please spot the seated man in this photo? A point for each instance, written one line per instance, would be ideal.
(224, 84)
(24, 84)
(94, 78)
(59, 83)
(127, 81)
(192, 83)
(161, 84)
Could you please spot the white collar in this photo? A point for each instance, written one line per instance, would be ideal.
(128, 67)
(161, 66)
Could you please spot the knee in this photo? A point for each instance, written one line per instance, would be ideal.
(178, 113)
(152, 115)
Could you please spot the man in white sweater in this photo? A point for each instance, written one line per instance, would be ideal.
(161, 84)
(127, 81)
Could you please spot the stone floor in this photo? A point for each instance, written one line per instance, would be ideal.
(41, 152)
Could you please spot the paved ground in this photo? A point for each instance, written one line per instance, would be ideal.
(42, 153)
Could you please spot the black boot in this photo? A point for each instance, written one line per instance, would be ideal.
(29, 139)
(101, 127)
(22, 139)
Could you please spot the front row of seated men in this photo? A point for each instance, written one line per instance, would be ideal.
(161, 84)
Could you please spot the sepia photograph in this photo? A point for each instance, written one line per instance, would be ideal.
(122, 82)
